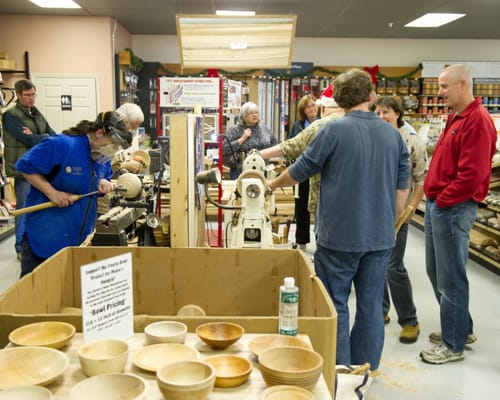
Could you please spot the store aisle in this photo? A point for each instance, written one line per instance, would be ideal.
(403, 374)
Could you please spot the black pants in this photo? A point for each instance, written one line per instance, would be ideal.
(29, 260)
(302, 217)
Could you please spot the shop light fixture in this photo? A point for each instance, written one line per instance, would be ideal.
(234, 13)
(433, 20)
(55, 3)
(211, 41)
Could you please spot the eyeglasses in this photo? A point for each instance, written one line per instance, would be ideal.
(28, 94)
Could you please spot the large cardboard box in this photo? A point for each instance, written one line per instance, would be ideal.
(235, 285)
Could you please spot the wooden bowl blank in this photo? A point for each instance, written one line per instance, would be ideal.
(191, 310)
(220, 335)
(103, 356)
(26, 393)
(186, 380)
(230, 371)
(286, 392)
(110, 387)
(165, 332)
(30, 365)
(291, 366)
(53, 334)
(151, 358)
(266, 342)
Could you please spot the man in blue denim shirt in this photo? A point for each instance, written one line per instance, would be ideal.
(364, 185)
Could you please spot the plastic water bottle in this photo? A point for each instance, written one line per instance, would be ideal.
(289, 307)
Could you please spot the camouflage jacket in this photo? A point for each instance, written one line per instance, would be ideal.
(293, 148)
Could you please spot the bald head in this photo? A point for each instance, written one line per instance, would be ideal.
(455, 86)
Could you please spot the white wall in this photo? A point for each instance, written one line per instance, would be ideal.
(347, 52)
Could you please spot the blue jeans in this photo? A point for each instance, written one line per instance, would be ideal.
(29, 260)
(447, 233)
(399, 283)
(21, 189)
(366, 270)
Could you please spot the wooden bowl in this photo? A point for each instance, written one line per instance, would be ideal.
(230, 371)
(151, 358)
(220, 335)
(165, 332)
(191, 310)
(266, 342)
(53, 334)
(26, 393)
(186, 380)
(30, 365)
(103, 356)
(288, 365)
(286, 392)
(111, 387)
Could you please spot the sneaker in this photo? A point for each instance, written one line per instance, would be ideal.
(301, 246)
(440, 354)
(409, 333)
(435, 337)
(387, 319)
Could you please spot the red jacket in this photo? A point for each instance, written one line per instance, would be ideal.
(460, 167)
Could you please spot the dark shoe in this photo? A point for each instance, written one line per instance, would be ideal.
(440, 354)
(435, 337)
(409, 334)
(18, 256)
(387, 319)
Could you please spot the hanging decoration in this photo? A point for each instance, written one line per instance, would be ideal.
(163, 71)
(373, 71)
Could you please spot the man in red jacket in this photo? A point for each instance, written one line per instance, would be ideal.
(458, 178)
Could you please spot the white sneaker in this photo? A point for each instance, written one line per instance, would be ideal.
(440, 354)
(301, 246)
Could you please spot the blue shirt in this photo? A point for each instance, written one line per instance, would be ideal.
(363, 161)
(66, 163)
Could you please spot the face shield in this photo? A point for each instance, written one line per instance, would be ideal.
(115, 128)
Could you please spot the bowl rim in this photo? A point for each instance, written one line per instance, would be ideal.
(157, 323)
(255, 342)
(152, 347)
(214, 323)
(181, 386)
(104, 340)
(277, 388)
(247, 371)
(37, 389)
(291, 348)
(142, 395)
(70, 334)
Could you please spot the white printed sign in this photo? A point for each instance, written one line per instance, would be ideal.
(188, 92)
(107, 298)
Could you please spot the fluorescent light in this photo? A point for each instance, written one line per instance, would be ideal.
(238, 45)
(433, 20)
(56, 3)
(233, 13)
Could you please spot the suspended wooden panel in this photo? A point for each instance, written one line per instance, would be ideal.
(209, 41)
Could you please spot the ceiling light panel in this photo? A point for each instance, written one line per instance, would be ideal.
(433, 20)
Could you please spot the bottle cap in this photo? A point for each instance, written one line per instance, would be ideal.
(289, 282)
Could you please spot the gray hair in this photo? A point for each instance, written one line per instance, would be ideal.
(247, 108)
(132, 114)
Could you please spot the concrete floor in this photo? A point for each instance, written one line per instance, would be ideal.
(403, 374)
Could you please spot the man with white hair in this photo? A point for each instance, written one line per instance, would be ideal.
(458, 179)
(133, 115)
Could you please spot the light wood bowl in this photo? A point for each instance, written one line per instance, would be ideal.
(266, 342)
(111, 387)
(151, 358)
(165, 332)
(191, 310)
(286, 392)
(230, 371)
(220, 335)
(26, 393)
(288, 365)
(53, 334)
(186, 380)
(103, 356)
(31, 365)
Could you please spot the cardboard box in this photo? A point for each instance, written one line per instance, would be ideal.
(235, 285)
(124, 57)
